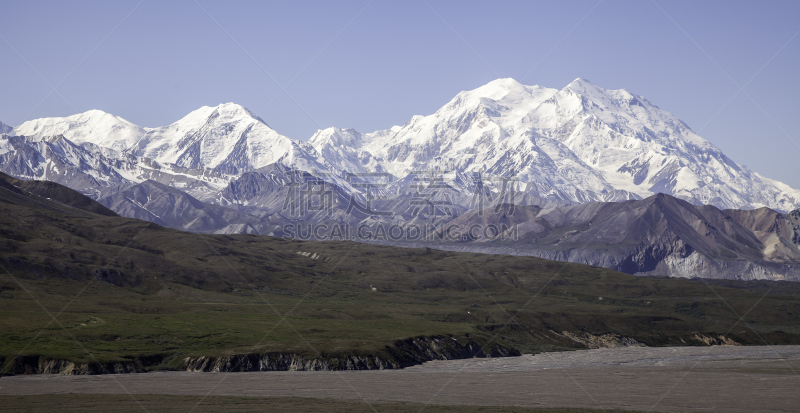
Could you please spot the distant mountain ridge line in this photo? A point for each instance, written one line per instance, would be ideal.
(571, 145)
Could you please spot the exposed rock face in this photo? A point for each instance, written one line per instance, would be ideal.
(719, 340)
(602, 341)
(39, 365)
(282, 362)
(403, 353)
(169, 207)
(660, 235)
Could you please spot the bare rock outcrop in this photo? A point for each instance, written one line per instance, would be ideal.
(602, 341)
(41, 365)
(402, 353)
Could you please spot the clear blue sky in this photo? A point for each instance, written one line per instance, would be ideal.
(371, 65)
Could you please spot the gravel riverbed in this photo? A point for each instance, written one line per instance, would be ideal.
(674, 379)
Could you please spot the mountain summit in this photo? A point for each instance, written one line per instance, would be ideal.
(572, 145)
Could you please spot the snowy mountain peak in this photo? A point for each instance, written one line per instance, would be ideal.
(500, 90)
(227, 137)
(503, 85)
(96, 113)
(581, 81)
(337, 137)
(224, 112)
(93, 126)
(586, 88)
(573, 145)
(236, 111)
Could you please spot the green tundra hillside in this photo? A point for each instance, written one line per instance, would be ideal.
(80, 285)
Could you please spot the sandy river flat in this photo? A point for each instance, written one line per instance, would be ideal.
(724, 379)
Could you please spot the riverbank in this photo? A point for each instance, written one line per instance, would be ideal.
(669, 379)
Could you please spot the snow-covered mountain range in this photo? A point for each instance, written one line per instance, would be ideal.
(227, 138)
(564, 157)
(571, 145)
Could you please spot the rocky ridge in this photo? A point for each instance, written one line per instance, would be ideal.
(403, 353)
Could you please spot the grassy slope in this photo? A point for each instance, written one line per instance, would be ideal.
(120, 288)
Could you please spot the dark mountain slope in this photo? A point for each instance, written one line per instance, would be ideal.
(660, 235)
(169, 207)
(48, 194)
